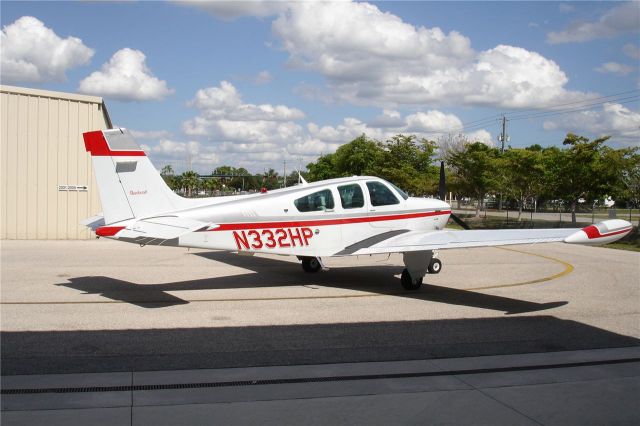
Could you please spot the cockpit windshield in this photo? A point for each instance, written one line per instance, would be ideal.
(398, 190)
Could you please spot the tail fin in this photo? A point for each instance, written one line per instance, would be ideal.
(130, 187)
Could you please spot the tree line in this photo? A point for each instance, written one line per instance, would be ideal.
(582, 171)
(223, 180)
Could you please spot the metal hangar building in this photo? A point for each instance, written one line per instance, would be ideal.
(47, 185)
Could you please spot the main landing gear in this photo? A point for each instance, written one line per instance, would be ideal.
(418, 263)
(311, 264)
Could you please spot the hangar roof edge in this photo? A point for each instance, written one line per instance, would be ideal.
(59, 95)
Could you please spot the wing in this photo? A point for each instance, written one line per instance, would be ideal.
(400, 242)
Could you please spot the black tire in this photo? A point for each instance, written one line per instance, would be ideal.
(408, 283)
(435, 266)
(311, 264)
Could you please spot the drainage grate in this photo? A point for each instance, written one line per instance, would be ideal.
(260, 382)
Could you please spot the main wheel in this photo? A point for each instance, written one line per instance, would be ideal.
(408, 283)
(311, 264)
(435, 266)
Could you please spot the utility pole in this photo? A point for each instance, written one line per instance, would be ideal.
(503, 136)
(284, 162)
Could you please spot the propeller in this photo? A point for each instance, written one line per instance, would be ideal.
(442, 193)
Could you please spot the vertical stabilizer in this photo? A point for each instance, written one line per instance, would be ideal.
(130, 187)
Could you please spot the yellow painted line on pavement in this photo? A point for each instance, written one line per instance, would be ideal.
(568, 268)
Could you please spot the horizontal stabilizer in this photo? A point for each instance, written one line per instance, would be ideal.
(163, 227)
(93, 222)
(160, 228)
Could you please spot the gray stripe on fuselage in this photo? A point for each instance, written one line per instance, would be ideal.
(368, 242)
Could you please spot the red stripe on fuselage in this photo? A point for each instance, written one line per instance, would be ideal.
(324, 222)
(593, 232)
(96, 144)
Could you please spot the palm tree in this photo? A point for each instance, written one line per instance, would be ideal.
(190, 181)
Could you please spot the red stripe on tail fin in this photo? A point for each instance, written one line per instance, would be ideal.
(96, 144)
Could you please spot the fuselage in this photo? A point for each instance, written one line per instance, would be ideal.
(318, 219)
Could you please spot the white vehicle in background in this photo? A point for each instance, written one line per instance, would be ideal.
(339, 217)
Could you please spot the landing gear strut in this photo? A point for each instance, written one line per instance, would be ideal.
(311, 264)
(418, 263)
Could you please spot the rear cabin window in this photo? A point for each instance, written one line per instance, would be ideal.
(381, 195)
(351, 196)
(318, 201)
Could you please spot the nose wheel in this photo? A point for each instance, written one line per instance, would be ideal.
(435, 266)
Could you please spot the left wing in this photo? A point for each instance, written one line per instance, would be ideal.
(601, 233)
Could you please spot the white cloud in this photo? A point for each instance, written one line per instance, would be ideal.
(230, 10)
(373, 58)
(260, 136)
(481, 135)
(613, 119)
(566, 8)
(223, 114)
(614, 68)
(631, 50)
(126, 77)
(263, 77)
(182, 155)
(150, 134)
(623, 18)
(432, 121)
(33, 53)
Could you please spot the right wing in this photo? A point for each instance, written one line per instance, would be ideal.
(401, 242)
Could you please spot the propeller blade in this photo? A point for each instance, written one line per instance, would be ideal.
(459, 221)
(442, 193)
(442, 189)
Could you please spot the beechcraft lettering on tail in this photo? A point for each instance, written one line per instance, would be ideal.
(338, 217)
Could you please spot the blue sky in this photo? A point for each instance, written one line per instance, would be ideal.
(253, 83)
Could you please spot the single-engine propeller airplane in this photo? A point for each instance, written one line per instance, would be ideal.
(358, 215)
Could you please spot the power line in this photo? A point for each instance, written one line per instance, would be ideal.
(625, 100)
(574, 102)
(522, 114)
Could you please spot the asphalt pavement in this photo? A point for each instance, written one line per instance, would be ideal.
(75, 313)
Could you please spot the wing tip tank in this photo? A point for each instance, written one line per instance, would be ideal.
(601, 233)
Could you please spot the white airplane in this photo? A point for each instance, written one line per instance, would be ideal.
(359, 215)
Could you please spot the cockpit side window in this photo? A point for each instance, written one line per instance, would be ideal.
(318, 201)
(381, 195)
(351, 196)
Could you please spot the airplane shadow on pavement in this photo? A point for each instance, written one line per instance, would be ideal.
(267, 272)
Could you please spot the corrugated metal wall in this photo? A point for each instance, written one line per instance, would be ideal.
(42, 148)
